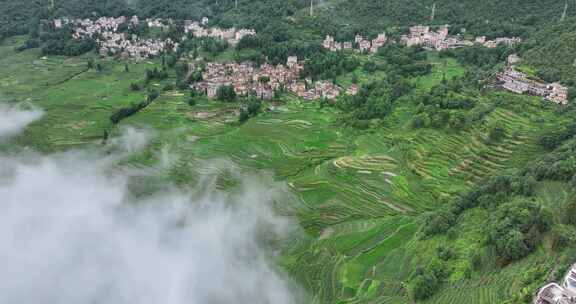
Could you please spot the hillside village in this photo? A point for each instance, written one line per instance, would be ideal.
(510, 79)
(441, 40)
(521, 83)
(243, 77)
(264, 81)
(232, 35)
(415, 161)
(360, 44)
(418, 35)
(112, 42)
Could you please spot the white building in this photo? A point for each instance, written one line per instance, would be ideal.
(559, 294)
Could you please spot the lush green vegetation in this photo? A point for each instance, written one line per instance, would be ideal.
(276, 18)
(367, 198)
(551, 52)
(425, 187)
(15, 17)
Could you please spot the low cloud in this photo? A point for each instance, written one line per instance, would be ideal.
(14, 118)
(131, 139)
(71, 232)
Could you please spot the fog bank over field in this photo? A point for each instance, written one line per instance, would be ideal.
(71, 233)
(13, 119)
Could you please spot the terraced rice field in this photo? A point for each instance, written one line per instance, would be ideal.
(360, 193)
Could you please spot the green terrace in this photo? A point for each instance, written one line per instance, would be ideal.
(361, 193)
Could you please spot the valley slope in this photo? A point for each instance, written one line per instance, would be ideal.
(362, 195)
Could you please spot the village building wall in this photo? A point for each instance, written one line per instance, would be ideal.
(441, 40)
(520, 83)
(554, 293)
(362, 44)
(114, 42)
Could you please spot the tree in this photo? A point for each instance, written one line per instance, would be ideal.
(438, 222)
(135, 86)
(354, 78)
(572, 93)
(252, 108)
(526, 185)
(570, 213)
(496, 133)
(194, 93)
(512, 246)
(562, 237)
(226, 93)
(516, 227)
(457, 121)
(152, 95)
(171, 60)
(420, 121)
(196, 76)
(155, 74)
(244, 116)
(475, 261)
(445, 253)
(168, 87)
(425, 285)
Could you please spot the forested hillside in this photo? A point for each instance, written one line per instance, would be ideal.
(89, 8)
(552, 50)
(15, 17)
(429, 184)
(489, 17)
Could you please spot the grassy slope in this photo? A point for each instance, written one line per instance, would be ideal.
(78, 101)
(361, 193)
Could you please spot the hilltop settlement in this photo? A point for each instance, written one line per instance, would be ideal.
(114, 37)
(418, 35)
(265, 80)
(521, 83)
(441, 40)
(112, 41)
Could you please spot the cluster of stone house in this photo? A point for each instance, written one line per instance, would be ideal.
(231, 35)
(418, 35)
(247, 79)
(515, 81)
(112, 42)
(86, 28)
(60, 22)
(421, 35)
(494, 43)
(554, 293)
(159, 23)
(323, 89)
(264, 81)
(134, 48)
(440, 39)
(360, 44)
